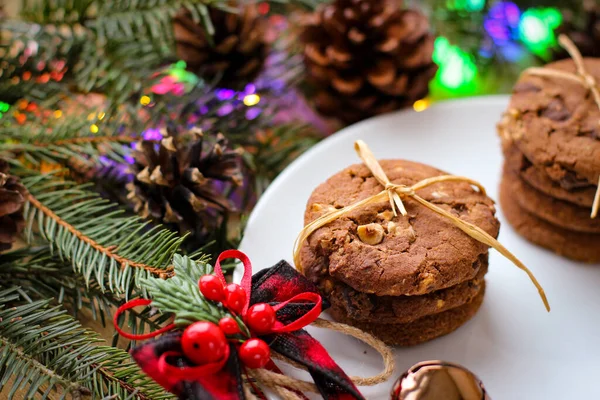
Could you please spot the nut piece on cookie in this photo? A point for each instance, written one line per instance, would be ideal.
(370, 234)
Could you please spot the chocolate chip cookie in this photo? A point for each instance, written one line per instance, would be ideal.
(420, 330)
(556, 212)
(363, 307)
(375, 252)
(575, 245)
(536, 177)
(554, 123)
(406, 279)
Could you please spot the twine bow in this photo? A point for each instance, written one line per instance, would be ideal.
(582, 77)
(395, 193)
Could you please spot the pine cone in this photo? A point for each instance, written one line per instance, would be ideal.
(12, 198)
(182, 184)
(585, 33)
(237, 49)
(367, 57)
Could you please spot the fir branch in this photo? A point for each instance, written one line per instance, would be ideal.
(42, 275)
(180, 295)
(46, 350)
(68, 141)
(271, 150)
(90, 139)
(95, 236)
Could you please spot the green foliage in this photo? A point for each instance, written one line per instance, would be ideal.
(273, 150)
(66, 141)
(94, 234)
(47, 351)
(41, 275)
(180, 294)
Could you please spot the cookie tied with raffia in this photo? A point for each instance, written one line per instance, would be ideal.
(181, 181)
(367, 57)
(236, 50)
(12, 197)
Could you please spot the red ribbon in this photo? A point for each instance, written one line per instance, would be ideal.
(304, 320)
(246, 282)
(129, 305)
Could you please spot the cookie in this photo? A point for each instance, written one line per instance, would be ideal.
(575, 245)
(554, 123)
(373, 251)
(364, 307)
(419, 331)
(549, 209)
(537, 178)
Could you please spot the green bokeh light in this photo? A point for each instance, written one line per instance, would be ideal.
(465, 5)
(536, 29)
(457, 70)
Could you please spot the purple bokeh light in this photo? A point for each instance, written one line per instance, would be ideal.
(152, 134)
(502, 22)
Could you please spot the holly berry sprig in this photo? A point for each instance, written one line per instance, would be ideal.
(213, 315)
(205, 342)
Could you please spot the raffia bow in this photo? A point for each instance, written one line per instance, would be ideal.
(582, 77)
(395, 193)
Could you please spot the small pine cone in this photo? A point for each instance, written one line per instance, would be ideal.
(12, 197)
(585, 32)
(367, 57)
(182, 183)
(237, 49)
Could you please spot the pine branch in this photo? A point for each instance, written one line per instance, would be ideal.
(42, 275)
(180, 296)
(271, 150)
(68, 141)
(46, 351)
(94, 235)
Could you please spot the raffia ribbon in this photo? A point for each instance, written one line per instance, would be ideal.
(582, 77)
(394, 193)
(284, 386)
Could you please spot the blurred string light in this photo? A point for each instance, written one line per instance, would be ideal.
(421, 105)
(536, 29)
(145, 100)
(502, 22)
(176, 80)
(465, 5)
(4, 107)
(457, 70)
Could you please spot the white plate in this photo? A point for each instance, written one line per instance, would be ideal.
(516, 348)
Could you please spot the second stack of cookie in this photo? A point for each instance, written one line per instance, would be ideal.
(551, 142)
(406, 279)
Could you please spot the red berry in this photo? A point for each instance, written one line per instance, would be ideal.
(212, 288)
(235, 297)
(255, 353)
(229, 326)
(260, 318)
(203, 342)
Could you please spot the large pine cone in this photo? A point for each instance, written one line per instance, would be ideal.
(367, 57)
(12, 197)
(585, 32)
(237, 49)
(181, 182)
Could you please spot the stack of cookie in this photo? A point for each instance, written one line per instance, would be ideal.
(406, 279)
(551, 142)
